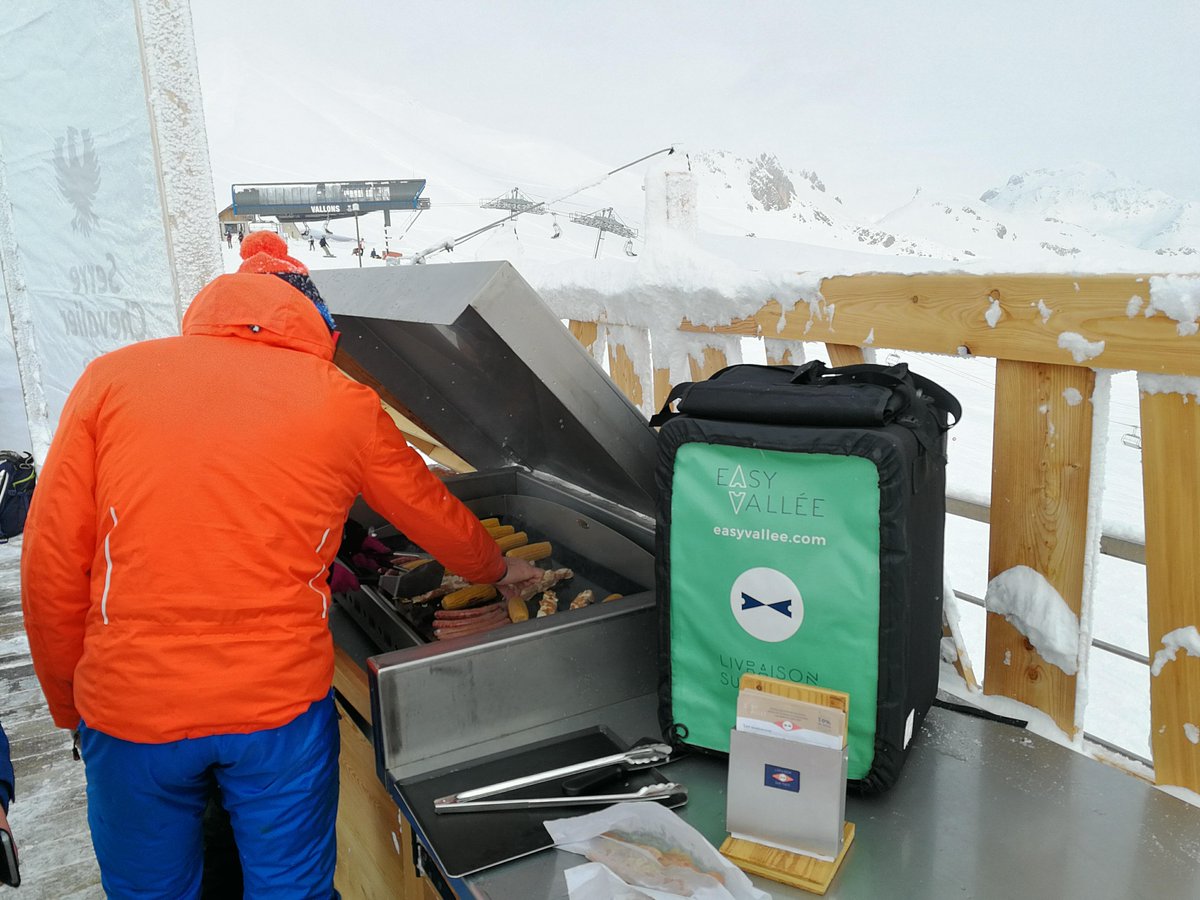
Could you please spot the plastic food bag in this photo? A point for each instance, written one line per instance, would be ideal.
(594, 881)
(649, 852)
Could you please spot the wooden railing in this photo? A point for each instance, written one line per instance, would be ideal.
(1042, 449)
(1042, 444)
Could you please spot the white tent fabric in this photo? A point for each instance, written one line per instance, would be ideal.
(91, 156)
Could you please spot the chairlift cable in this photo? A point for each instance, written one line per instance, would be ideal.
(451, 244)
(411, 223)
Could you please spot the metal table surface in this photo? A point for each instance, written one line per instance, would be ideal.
(983, 810)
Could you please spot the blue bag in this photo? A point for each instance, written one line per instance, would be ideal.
(17, 478)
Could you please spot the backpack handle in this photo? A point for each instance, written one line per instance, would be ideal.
(895, 376)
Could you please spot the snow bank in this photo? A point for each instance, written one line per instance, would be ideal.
(1032, 605)
(1186, 639)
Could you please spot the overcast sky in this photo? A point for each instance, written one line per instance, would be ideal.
(878, 97)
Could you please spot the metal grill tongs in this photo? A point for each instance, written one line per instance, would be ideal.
(645, 756)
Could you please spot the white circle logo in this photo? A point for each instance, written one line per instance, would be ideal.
(767, 604)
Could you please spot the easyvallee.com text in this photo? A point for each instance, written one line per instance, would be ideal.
(766, 534)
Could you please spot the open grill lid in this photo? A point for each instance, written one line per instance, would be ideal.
(474, 357)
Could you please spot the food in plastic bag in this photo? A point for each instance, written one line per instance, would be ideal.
(647, 846)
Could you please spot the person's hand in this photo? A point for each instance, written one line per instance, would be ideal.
(521, 574)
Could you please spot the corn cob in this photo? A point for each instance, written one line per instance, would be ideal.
(499, 531)
(517, 610)
(489, 523)
(531, 552)
(512, 541)
(463, 597)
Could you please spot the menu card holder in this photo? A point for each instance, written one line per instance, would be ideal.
(786, 797)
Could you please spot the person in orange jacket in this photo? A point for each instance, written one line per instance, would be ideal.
(173, 577)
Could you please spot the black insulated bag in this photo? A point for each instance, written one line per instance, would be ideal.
(801, 520)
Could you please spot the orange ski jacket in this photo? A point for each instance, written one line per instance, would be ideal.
(173, 574)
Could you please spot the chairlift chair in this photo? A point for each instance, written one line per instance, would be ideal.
(556, 232)
(629, 251)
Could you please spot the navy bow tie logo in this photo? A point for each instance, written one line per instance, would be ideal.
(783, 606)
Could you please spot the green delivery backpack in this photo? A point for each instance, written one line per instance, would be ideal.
(800, 530)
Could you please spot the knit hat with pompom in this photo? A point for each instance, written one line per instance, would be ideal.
(266, 253)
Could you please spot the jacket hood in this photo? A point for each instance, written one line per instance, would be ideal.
(235, 305)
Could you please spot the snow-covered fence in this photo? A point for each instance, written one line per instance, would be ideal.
(1055, 339)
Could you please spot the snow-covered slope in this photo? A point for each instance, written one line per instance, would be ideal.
(1102, 202)
(762, 198)
(1012, 239)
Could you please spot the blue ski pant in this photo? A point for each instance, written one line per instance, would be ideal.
(280, 787)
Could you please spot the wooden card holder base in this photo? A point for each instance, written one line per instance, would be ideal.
(805, 872)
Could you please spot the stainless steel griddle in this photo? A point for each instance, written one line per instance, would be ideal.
(469, 353)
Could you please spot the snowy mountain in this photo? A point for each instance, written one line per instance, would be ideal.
(1010, 239)
(759, 197)
(1079, 219)
(1096, 199)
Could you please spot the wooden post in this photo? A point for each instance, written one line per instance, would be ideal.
(961, 666)
(844, 354)
(1171, 486)
(783, 353)
(662, 387)
(709, 361)
(584, 332)
(634, 384)
(1041, 467)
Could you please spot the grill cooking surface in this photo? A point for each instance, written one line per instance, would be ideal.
(587, 576)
